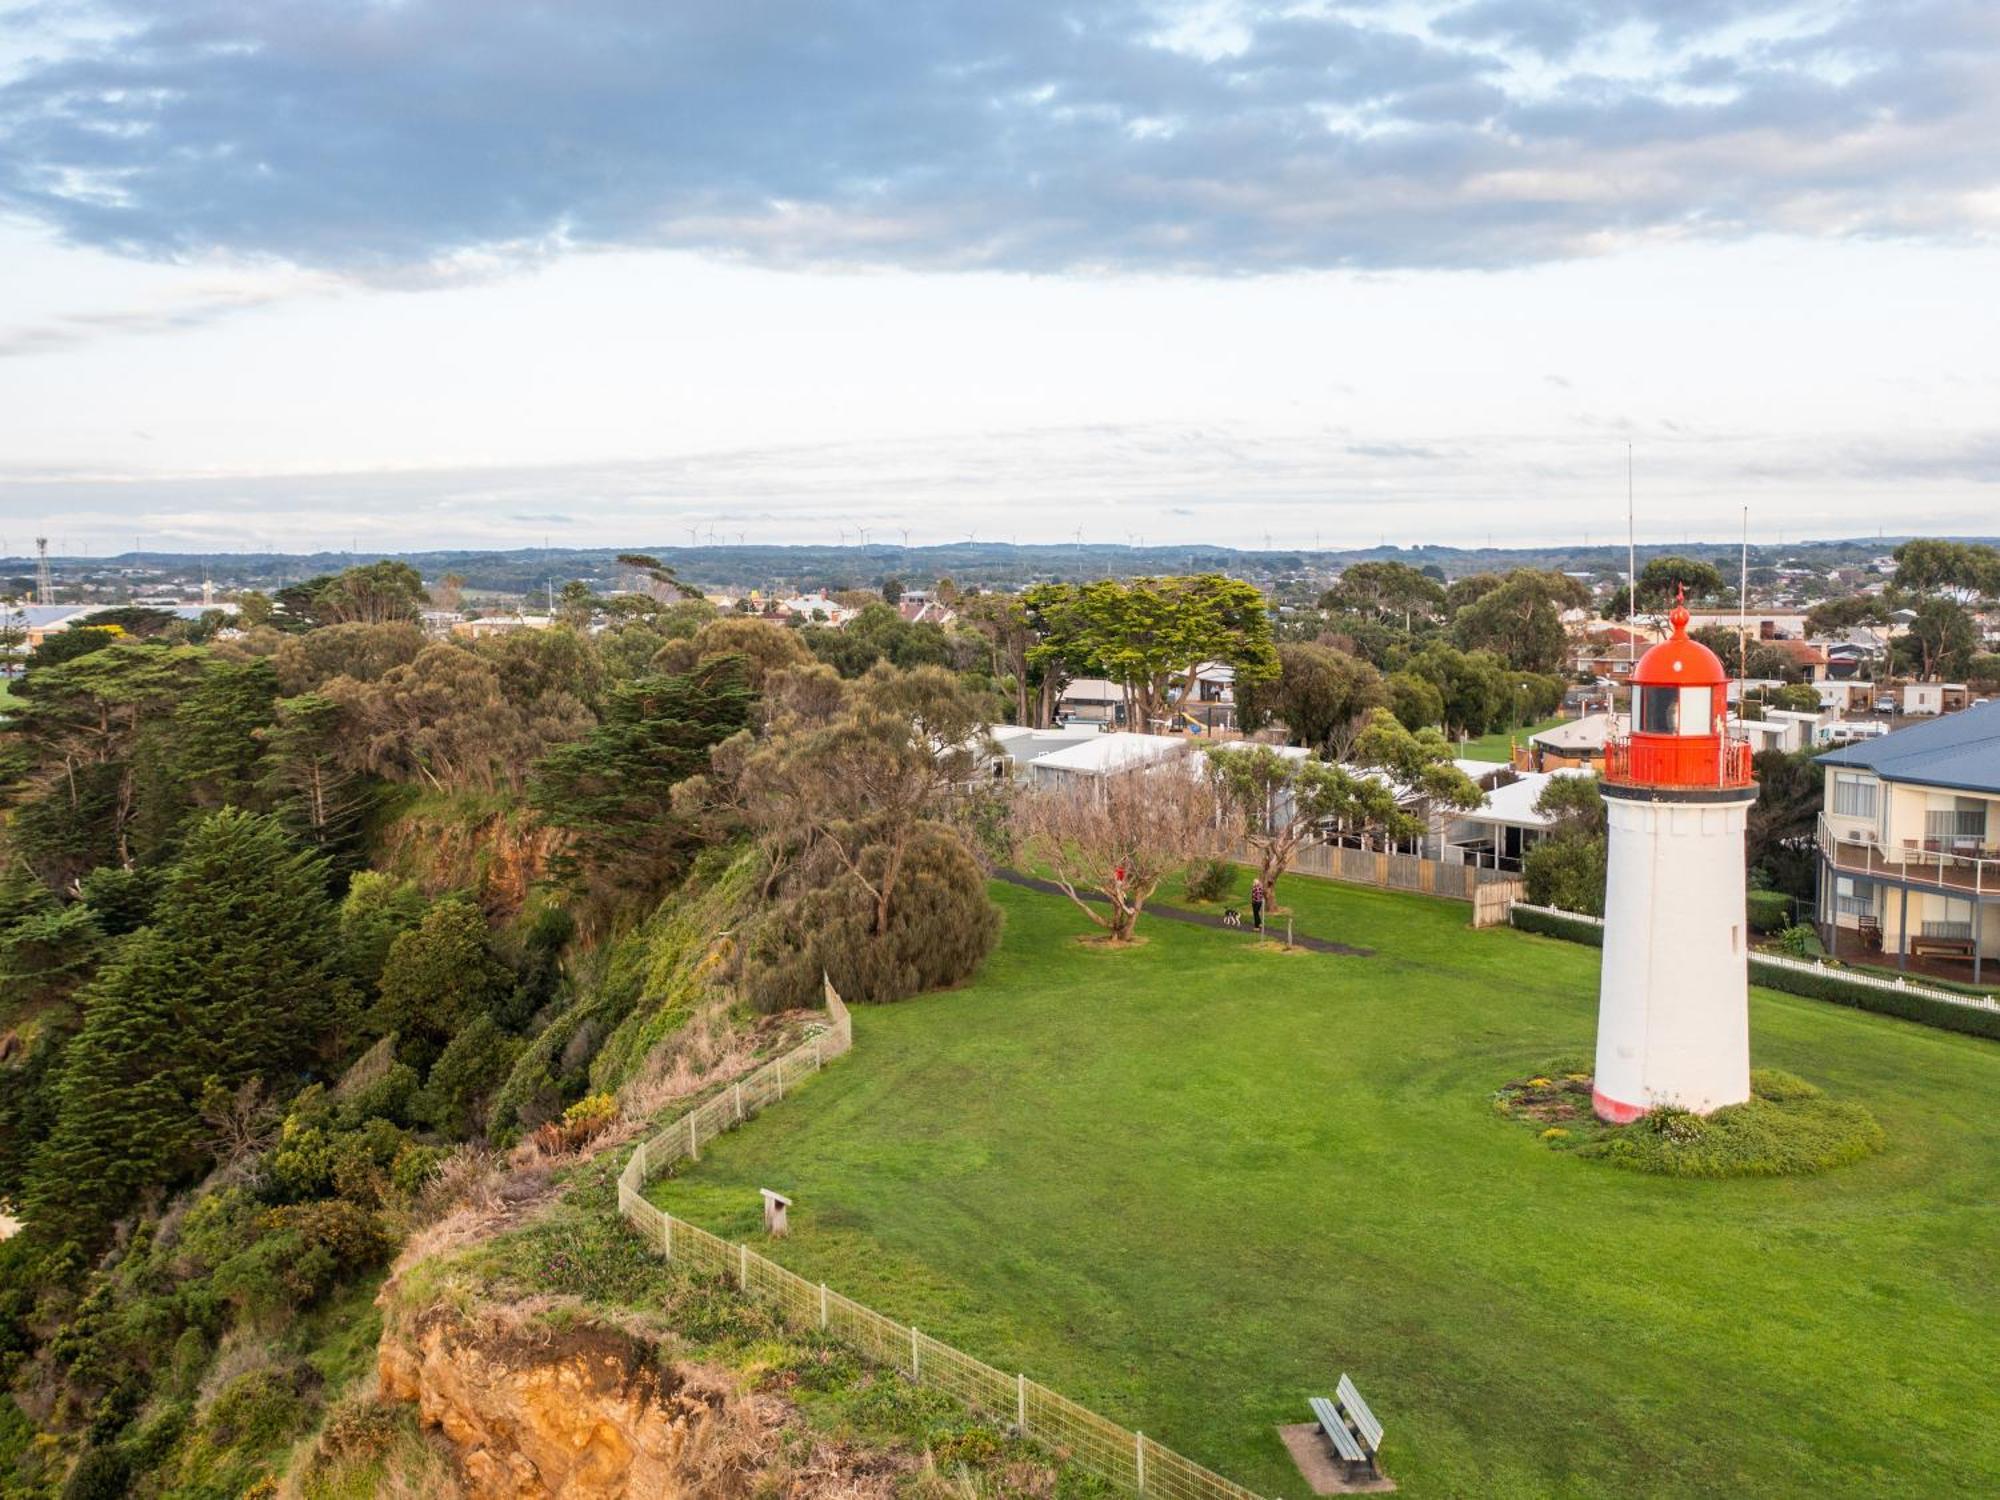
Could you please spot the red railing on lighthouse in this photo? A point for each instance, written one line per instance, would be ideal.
(1676, 760)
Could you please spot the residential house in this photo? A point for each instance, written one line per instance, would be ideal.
(1092, 700)
(1498, 834)
(1578, 742)
(490, 625)
(1909, 844)
(1103, 755)
(1014, 748)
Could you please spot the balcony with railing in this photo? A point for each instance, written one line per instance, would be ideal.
(1721, 761)
(1946, 864)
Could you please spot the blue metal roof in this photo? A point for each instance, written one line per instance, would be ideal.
(1960, 752)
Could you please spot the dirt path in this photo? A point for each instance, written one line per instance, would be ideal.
(1198, 918)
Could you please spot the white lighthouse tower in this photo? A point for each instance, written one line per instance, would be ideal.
(1673, 1016)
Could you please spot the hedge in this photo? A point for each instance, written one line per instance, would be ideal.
(1887, 1000)
(1769, 910)
(1573, 929)
(1815, 984)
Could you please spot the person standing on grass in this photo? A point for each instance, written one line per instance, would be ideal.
(1257, 904)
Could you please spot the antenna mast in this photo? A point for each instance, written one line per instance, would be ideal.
(1631, 566)
(45, 586)
(1743, 614)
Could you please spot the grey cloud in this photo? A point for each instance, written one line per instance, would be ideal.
(387, 140)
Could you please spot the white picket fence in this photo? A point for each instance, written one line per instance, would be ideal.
(1062, 1426)
(1808, 966)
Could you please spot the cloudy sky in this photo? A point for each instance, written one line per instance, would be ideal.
(396, 273)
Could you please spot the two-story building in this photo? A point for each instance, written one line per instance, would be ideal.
(1909, 844)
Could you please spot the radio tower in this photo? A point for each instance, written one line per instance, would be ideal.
(45, 586)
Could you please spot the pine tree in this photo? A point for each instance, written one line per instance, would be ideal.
(236, 979)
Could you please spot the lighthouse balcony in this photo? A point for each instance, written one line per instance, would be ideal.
(1673, 760)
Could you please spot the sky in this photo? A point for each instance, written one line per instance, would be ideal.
(395, 274)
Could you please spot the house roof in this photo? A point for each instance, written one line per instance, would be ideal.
(1107, 754)
(1586, 733)
(1960, 752)
(1093, 690)
(1513, 805)
(1805, 654)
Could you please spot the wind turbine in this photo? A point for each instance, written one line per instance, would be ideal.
(843, 535)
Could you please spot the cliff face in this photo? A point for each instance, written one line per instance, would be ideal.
(578, 1412)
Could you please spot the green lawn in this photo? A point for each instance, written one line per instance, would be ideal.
(1193, 1182)
(1494, 746)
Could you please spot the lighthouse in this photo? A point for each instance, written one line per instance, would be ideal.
(1673, 1013)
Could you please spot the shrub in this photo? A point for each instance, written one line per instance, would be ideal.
(1769, 911)
(583, 1121)
(101, 1474)
(1800, 941)
(1567, 871)
(941, 927)
(465, 1077)
(1210, 879)
(1681, 1127)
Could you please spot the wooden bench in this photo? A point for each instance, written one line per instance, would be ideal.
(1352, 1429)
(1941, 947)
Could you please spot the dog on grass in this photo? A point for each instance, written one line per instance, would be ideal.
(1232, 918)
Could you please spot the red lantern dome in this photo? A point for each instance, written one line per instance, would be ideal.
(1680, 713)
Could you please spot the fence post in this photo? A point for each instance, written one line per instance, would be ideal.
(1139, 1458)
(743, 1266)
(694, 1146)
(1021, 1404)
(822, 1307)
(916, 1360)
(739, 1102)
(669, 1247)
(779, 1068)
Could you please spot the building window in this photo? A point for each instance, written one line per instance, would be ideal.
(1962, 823)
(1853, 796)
(1853, 898)
(1659, 710)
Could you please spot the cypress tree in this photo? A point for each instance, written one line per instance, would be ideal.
(235, 979)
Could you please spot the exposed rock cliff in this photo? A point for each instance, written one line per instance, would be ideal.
(572, 1410)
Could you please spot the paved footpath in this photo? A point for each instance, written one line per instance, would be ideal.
(1198, 918)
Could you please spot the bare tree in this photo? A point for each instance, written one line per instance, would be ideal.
(1117, 838)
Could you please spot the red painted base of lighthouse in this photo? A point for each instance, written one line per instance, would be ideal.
(1612, 1112)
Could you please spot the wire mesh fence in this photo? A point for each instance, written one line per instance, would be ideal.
(1073, 1432)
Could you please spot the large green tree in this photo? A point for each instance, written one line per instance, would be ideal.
(1929, 565)
(611, 791)
(1520, 621)
(235, 979)
(1320, 695)
(1661, 581)
(1152, 634)
(1386, 591)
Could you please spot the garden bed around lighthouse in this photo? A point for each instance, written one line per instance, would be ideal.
(1787, 1127)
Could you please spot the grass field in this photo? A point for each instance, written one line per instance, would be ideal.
(1494, 746)
(1192, 1182)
